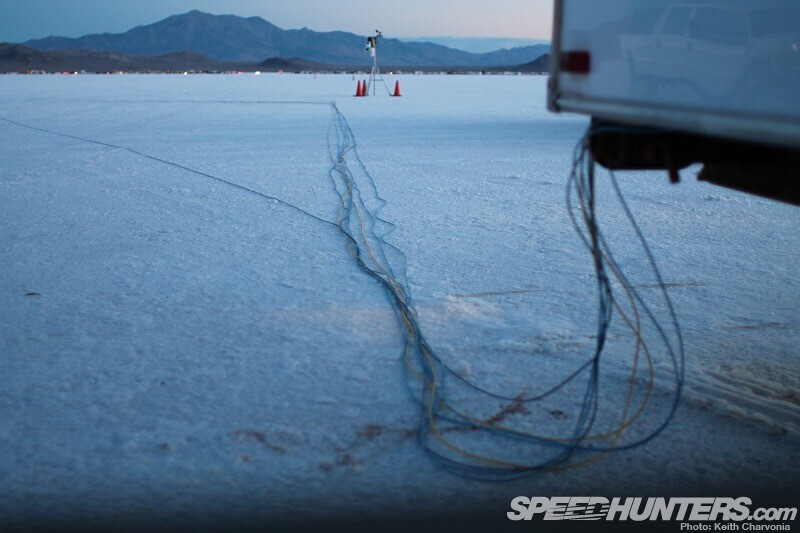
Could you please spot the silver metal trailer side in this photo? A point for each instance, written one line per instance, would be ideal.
(713, 81)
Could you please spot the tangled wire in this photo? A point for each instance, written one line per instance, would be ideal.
(502, 443)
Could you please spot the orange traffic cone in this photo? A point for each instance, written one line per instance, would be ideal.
(359, 89)
(397, 89)
(366, 89)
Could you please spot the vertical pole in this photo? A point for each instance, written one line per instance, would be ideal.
(374, 70)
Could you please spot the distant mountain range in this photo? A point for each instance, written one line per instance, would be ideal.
(237, 39)
(477, 45)
(20, 58)
(540, 64)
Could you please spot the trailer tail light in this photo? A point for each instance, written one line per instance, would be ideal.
(576, 62)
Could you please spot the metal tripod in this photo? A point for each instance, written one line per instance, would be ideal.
(375, 75)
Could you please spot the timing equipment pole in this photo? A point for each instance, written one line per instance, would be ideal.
(375, 75)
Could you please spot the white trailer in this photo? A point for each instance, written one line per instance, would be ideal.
(685, 81)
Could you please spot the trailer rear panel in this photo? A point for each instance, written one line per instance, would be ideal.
(728, 69)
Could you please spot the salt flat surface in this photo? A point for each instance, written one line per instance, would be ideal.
(174, 346)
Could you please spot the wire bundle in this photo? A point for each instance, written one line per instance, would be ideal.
(483, 434)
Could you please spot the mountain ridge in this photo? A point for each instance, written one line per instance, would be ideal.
(251, 39)
(19, 58)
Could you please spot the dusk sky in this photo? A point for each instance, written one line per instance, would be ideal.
(27, 19)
